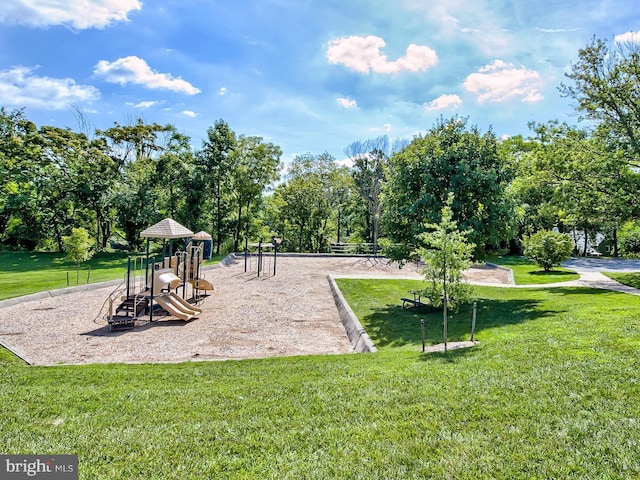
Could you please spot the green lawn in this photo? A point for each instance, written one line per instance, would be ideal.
(22, 273)
(526, 272)
(550, 392)
(628, 278)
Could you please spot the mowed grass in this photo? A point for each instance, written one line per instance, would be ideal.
(22, 273)
(551, 391)
(526, 272)
(627, 278)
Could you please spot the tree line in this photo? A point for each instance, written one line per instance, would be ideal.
(116, 182)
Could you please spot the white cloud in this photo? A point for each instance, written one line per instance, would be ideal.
(443, 102)
(633, 37)
(76, 14)
(135, 70)
(363, 54)
(223, 91)
(143, 105)
(346, 103)
(557, 30)
(19, 87)
(387, 127)
(189, 113)
(502, 81)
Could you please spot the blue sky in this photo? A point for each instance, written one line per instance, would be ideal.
(307, 75)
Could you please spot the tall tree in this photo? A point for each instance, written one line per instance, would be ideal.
(135, 148)
(173, 169)
(369, 163)
(255, 167)
(215, 165)
(606, 87)
(450, 158)
(582, 185)
(308, 196)
(19, 153)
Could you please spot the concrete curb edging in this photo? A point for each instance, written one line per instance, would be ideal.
(355, 331)
(17, 353)
(510, 277)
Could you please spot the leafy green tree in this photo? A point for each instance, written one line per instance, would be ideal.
(450, 158)
(630, 239)
(308, 198)
(173, 169)
(135, 149)
(342, 199)
(214, 164)
(446, 254)
(255, 166)
(569, 178)
(78, 247)
(370, 160)
(136, 203)
(19, 154)
(605, 84)
(548, 248)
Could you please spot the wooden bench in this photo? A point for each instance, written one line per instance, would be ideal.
(416, 301)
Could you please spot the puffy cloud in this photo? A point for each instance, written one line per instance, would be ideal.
(223, 91)
(144, 105)
(76, 14)
(363, 54)
(19, 87)
(189, 113)
(633, 37)
(346, 103)
(502, 81)
(443, 102)
(135, 70)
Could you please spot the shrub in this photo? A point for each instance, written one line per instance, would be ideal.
(548, 248)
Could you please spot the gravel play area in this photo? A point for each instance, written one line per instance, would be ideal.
(291, 313)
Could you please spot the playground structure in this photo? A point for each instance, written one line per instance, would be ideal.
(174, 284)
(260, 260)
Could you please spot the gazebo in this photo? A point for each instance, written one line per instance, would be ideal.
(167, 229)
(207, 242)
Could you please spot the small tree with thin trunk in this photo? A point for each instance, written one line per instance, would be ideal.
(78, 247)
(446, 254)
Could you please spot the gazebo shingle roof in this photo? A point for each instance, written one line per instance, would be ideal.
(167, 228)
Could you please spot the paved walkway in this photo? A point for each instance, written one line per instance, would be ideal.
(590, 264)
(590, 271)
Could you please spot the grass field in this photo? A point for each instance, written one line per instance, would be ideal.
(22, 273)
(627, 278)
(526, 272)
(551, 391)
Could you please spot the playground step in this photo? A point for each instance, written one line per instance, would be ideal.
(132, 304)
(121, 322)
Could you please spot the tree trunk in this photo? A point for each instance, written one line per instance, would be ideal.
(586, 241)
(236, 239)
(218, 217)
(615, 242)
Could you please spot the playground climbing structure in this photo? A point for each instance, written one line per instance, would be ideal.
(172, 286)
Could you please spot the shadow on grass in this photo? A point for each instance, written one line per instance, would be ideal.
(393, 326)
(450, 356)
(563, 291)
(552, 273)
